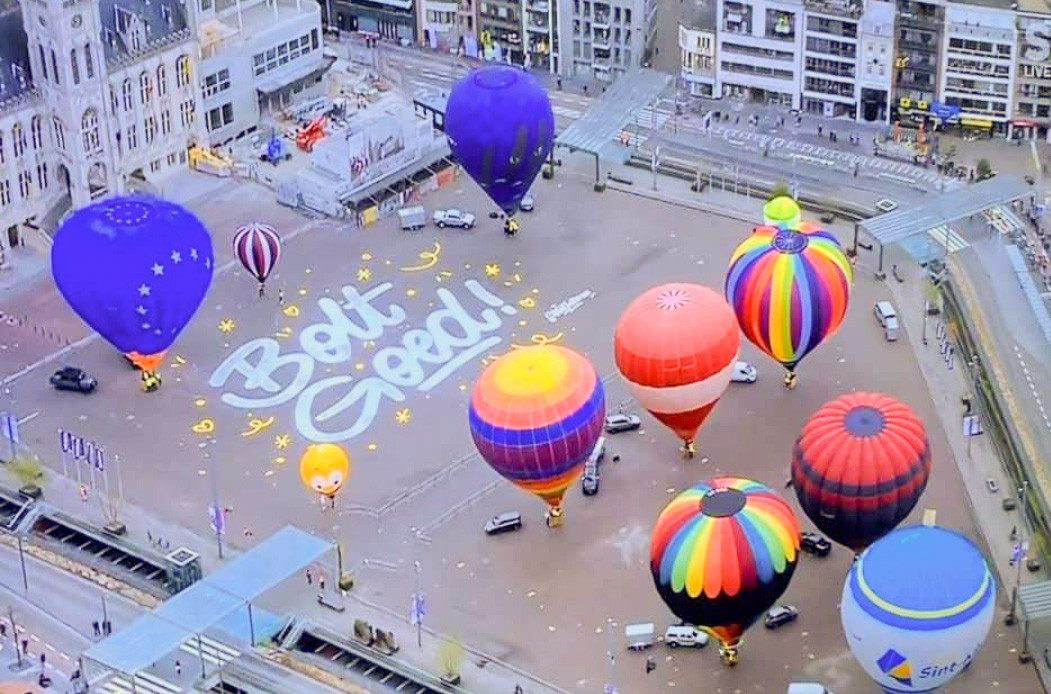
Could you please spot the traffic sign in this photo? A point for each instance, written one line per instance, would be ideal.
(9, 427)
(972, 425)
(217, 519)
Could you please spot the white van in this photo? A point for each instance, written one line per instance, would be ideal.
(685, 636)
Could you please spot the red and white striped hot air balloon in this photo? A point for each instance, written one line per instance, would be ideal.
(258, 247)
(676, 346)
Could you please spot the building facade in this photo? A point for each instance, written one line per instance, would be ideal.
(831, 55)
(697, 73)
(500, 30)
(606, 38)
(101, 97)
(876, 61)
(389, 19)
(759, 47)
(979, 63)
(917, 58)
(1031, 108)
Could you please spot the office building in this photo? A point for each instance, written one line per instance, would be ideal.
(876, 61)
(759, 48)
(607, 37)
(1031, 115)
(389, 19)
(979, 48)
(697, 51)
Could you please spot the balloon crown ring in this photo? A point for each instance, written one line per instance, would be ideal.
(722, 502)
(790, 241)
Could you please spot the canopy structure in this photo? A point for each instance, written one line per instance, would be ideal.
(915, 220)
(597, 130)
(208, 602)
(1035, 603)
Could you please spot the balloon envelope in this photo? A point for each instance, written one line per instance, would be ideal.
(324, 468)
(859, 467)
(501, 128)
(258, 247)
(675, 346)
(789, 289)
(134, 269)
(722, 552)
(536, 413)
(782, 211)
(917, 606)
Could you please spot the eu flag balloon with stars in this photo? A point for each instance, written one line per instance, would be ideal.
(135, 269)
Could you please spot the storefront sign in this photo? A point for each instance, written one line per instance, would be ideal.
(1037, 41)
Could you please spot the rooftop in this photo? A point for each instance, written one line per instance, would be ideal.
(157, 20)
(701, 15)
(15, 77)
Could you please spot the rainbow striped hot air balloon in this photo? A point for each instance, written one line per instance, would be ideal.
(535, 415)
(721, 553)
(789, 289)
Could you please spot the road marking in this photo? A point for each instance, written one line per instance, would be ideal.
(29, 417)
(211, 651)
(1036, 157)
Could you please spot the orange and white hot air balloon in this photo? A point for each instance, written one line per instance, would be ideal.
(676, 346)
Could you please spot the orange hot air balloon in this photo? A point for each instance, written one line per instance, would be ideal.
(676, 346)
(325, 468)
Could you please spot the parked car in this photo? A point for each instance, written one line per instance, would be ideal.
(815, 543)
(453, 218)
(616, 423)
(780, 615)
(744, 373)
(686, 636)
(589, 482)
(1009, 503)
(72, 378)
(503, 523)
(992, 485)
(527, 202)
(888, 319)
(807, 688)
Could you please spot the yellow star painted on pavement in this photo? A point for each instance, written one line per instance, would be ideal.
(280, 460)
(527, 302)
(282, 441)
(403, 416)
(410, 292)
(372, 447)
(291, 311)
(364, 274)
(492, 270)
(226, 326)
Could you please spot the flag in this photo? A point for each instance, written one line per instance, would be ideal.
(1018, 551)
(418, 609)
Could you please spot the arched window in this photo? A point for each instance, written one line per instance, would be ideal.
(43, 62)
(19, 138)
(1, 147)
(126, 93)
(145, 88)
(60, 133)
(54, 68)
(36, 133)
(182, 71)
(89, 62)
(114, 104)
(89, 131)
(74, 66)
(162, 81)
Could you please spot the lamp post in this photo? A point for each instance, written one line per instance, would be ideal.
(218, 520)
(610, 626)
(1012, 616)
(417, 595)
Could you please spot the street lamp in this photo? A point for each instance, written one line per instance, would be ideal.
(218, 517)
(1012, 615)
(610, 626)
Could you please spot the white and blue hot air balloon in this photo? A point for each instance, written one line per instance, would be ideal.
(917, 606)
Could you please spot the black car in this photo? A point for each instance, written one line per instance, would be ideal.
(816, 544)
(779, 616)
(72, 378)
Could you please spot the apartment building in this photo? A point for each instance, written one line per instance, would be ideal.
(605, 38)
(540, 29)
(500, 30)
(918, 43)
(390, 19)
(876, 61)
(697, 41)
(1031, 107)
(759, 47)
(977, 74)
(831, 53)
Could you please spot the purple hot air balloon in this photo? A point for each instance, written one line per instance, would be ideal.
(135, 269)
(501, 129)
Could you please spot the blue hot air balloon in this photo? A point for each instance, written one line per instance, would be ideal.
(916, 608)
(501, 129)
(135, 269)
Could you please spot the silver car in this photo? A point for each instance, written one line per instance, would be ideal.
(527, 202)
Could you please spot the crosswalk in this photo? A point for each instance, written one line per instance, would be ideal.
(210, 650)
(145, 683)
(570, 113)
(947, 238)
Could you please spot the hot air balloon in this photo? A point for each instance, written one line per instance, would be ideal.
(258, 247)
(501, 128)
(859, 467)
(536, 413)
(916, 608)
(675, 346)
(135, 269)
(324, 469)
(722, 552)
(789, 289)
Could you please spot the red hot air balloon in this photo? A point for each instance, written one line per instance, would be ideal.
(258, 247)
(676, 346)
(859, 467)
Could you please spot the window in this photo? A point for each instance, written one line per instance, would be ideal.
(41, 176)
(149, 129)
(43, 62)
(89, 131)
(73, 66)
(145, 88)
(166, 122)
(133, 137)
(25, 184)
(60, 133)
(54, 67)
(313, 39)
(182, 71)
(114, 103)
(89, 62)
(126, 92)
(162, 77)
(215, 83)
(155, 166)
(187, 112)
(5, 193)
(19, 138)
(1, 148)
(172, 158)
(220, 117)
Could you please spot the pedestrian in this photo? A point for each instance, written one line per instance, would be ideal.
(25, 646)
(178, 669)
(819, 130)
(107, 627)
(558, 81)
(280, 297)
(3, 630)
(310, 577)
(248, 532)
(95, 628)
(43, 659)
(321, 582)
(585, 89)
(651, 664)
(518, 687)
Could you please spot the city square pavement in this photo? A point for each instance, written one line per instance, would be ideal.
(376, 343)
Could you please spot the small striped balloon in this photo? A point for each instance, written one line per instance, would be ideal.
(258, 247)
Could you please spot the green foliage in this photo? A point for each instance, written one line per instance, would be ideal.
(27, 471)
(983, 169)
(780, 189)
(450, 656)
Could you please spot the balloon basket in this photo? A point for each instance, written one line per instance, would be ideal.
(150, 382)
(729, 655)
(688, 450)
(790, 380)
(346, 581)
(554, 518)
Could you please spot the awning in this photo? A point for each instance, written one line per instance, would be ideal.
(286, 76)
(399, 4)
(1025, 124)
(976, 122)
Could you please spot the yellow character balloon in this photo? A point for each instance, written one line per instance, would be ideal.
(324, 468)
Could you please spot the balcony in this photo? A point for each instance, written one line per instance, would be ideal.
(929, 46)
(601, 20)
(540, 7)
(839, 8)
(537, 25)
(919, 20)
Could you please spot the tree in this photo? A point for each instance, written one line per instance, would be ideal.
(28, 471)
(780, 189)
(983, 169)
(450, 657)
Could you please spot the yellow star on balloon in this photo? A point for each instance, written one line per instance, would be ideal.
(226, 326)
(492, 270)
(364, 274)
(403, 416)
(282, 441)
